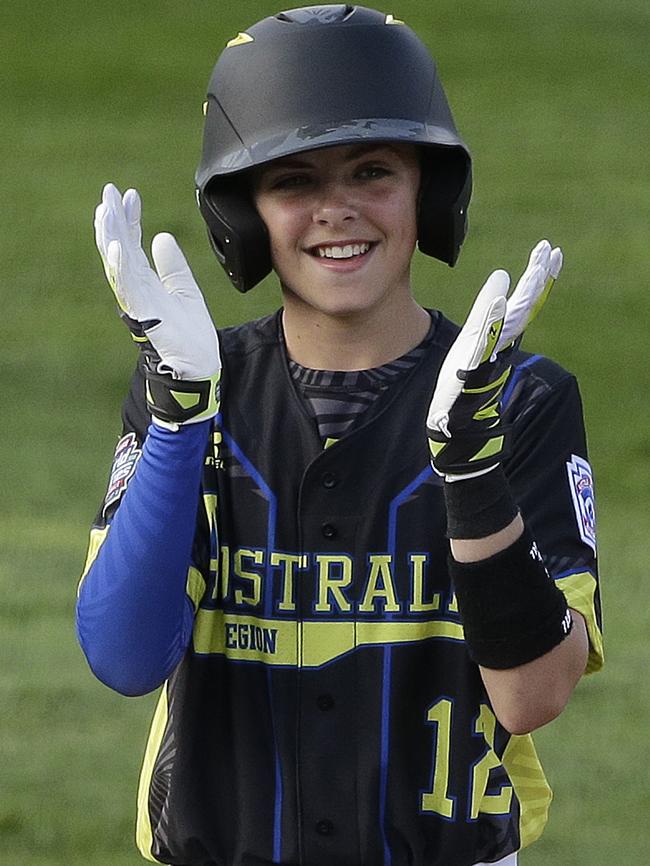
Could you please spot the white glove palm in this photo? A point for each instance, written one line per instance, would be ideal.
(166, 302)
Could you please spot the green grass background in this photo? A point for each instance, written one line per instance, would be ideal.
(552, 98)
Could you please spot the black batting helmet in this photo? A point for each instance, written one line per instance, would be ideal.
(315, 77)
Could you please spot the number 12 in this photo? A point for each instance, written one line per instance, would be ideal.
(438, 798)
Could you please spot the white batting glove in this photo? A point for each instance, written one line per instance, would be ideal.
(164, 309)
(531, 292)
(466, 436)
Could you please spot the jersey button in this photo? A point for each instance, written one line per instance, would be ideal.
(329, 480)
(328, 530)
(325, 828)
(325, 702)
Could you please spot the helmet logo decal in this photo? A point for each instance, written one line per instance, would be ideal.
(240, 39)
(317, 14)
(390, 19)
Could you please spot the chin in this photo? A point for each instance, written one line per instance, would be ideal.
(338, 301)
(344, 307)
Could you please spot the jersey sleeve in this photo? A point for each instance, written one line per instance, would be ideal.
(552, 481)
(140, 586)
(136, 419)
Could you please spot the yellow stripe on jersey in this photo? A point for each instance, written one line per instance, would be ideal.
(210, 505)
(97, 538)
(579, 590)
(195, 586)
(531, 788)
(143, 831)
(305, 644)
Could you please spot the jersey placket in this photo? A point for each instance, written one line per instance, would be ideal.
(327, 711)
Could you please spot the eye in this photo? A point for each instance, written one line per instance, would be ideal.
(290, 181)
(373, 172)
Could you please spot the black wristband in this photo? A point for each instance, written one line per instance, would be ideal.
(481, 506)
(512, 611)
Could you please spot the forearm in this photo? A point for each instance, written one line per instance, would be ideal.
(476, 549)
(134, 619)
(529, 695)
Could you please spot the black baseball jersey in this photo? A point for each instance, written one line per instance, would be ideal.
(327, 712)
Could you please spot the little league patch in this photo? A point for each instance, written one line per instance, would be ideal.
(125, 460)
(581, 483)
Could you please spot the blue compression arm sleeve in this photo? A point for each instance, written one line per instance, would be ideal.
(134, 619)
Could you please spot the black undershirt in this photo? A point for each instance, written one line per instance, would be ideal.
(336, 399)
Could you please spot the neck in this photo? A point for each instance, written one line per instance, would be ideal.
(354, 341)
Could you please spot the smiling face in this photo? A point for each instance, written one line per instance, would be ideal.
(342, 226)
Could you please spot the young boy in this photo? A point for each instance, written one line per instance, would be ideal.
(354, 545)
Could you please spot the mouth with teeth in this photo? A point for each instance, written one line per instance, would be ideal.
(347, 251)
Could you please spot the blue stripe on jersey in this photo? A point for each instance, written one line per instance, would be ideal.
(385, 750)
(515, 376)
(398, 501)
(582, 569)
(391, 546)
(254, 473)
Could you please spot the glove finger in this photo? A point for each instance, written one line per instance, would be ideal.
(104, 233)
(133, 212)
(471, 345)
(114, 274)
(453, 372)
(530, 292)
(474, 344)
(552, 266)
(539, 255)
(478, 337)
(113, 220)
(555, 266)
(111, 197)
(132, 206)
(172, 266)
(122, 222)
(98, 223)
(556, 262)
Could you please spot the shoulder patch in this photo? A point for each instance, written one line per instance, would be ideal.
(581, 484)
(127, 454)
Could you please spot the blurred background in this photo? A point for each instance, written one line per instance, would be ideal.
(552, 99)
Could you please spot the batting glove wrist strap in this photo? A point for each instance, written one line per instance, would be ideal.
(512, 611)
(479, 506)
(179, 401)
(470, 450)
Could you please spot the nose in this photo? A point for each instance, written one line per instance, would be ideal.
(334, 205)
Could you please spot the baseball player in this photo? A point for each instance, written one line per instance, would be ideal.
(353, 543)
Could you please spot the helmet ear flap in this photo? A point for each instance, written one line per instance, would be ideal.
(237, 233)
(445, 191)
